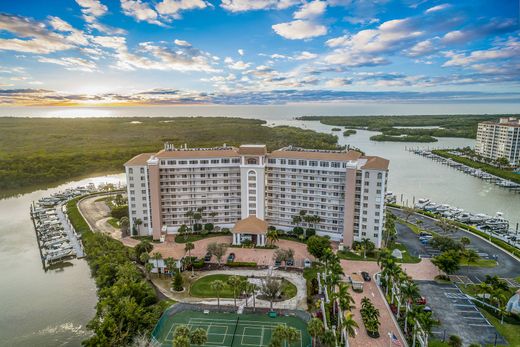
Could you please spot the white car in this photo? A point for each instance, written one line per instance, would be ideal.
(307, 263)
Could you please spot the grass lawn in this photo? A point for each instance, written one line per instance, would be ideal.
(113, 222)
(349, 255)
(511, 332)
(479, 263)
(407, 258)
(201, 288)
(437, 343)
(289, 290)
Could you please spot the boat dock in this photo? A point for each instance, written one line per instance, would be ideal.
(56, 237)
(499, 181)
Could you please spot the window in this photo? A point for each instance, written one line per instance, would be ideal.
(252, 161)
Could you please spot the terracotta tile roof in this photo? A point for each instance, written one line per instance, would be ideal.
(340, 156)
(139, 159)
(209, 153)
(250, 225)
(253, 150)
(376, 163)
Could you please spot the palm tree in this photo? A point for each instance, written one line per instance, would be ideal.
(157, 256)
(148, 267)
(350, 325)
(272, 236)
(271, 289)
(408, 212)
(446, 225)
(213, 214)
(409, 291)
(138, 222)
(464, 240)
(187, 248)
(296, 220)
(471, 257)
(199, 337)
(189, 215)
(346, 302)
(367, 245)
(217, 287)
(315, 328)
(285, 334)
(144, 257)
(235, 282)
(251, 288)
(170, 265)
(124, 224)
(328, 339)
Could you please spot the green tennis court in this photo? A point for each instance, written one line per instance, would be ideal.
(229, 329)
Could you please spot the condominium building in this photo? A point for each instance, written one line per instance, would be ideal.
(499, 139)
(248, 189)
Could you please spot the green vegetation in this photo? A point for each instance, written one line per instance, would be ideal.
(38, 151)
(448, 125)
(336, 129)
(406, 138)
(113, 222)
(506, 174)
(198, 236)
(407, 258)
(201, 288)
(127, 305)
(349, 132)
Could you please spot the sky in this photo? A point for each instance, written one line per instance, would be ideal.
(232, 52)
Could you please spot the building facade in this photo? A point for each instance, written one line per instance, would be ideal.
(500, 139)
(344, 189)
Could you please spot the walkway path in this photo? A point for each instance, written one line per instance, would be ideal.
(298, 302)
(74, 242)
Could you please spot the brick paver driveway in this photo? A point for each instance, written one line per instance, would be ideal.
(370, 290)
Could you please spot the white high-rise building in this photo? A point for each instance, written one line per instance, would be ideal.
(499, 139)
(248, 189)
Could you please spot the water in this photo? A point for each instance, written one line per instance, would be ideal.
(40, 308)
(52, 308)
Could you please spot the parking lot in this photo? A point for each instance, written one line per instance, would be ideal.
(458, 315)
(507, 268)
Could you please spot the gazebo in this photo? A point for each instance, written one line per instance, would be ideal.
(250, 228)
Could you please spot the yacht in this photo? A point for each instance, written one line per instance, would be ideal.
(463, 217)
(452, 212)
(431, 206)
(421, 203)
(479, 218)
(497, 223)
(442, 208)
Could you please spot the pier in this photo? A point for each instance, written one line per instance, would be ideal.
(499, 181)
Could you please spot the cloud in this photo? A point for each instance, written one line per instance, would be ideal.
(32, 36)
(305, 56)
(338, 82)
(311, 10)
(171, 9)
(92, 10)
(360, 20)
(140, 11)
(76, 36)
(241, 52)
(71, 63)
(437, 8)
(182, 43)
(477, 30)
(423, 48)
(236, 65)
(251, 5)
(508, 50)
(299, 30)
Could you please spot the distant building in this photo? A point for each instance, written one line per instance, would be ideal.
(344, 188)
(499, 139)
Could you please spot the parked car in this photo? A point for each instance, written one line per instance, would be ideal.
(207, 257)
(231, 257)
(366, 276)
(424, 234)
(277, 263)
(420, 301)
(307, 263)
(289, 262)
(427, 309)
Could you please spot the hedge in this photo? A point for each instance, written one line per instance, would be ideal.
(241, 264)
(75, 217)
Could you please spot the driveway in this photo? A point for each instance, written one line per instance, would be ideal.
(370, 291)
(508, 267)
(458, 315)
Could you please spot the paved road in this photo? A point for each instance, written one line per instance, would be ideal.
(508, 267)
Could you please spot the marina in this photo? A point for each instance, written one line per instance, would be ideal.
(467, 169)
(496, 226)
(56, 237)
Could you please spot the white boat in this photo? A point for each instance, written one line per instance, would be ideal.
(452, 212)
(463, 217)
(421, 203)
(431, 206)
(479, 218)
(442, 208)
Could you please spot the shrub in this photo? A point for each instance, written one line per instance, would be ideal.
(310, 232)
(119, 212)
(225, 231)
(209, 227)
(197, 227)
(241, 264)
(177, 282)
(297, 231)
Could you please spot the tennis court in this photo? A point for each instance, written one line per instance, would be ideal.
(229, 329)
